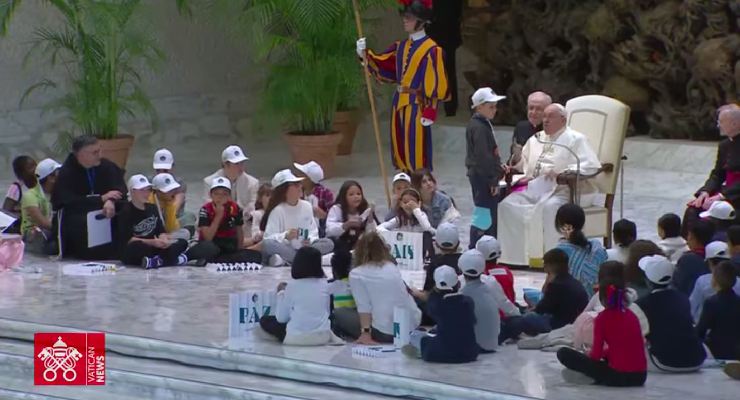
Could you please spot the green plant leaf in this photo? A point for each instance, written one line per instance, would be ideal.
(7, 8)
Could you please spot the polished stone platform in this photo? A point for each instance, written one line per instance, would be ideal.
(181, 313)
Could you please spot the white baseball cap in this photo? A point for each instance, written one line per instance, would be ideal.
(472, 262)
(447, 236)
(312, 169)
(717, 249)
(445, 277)
(233, 154)
(163, 159)
(221, 182)
(719, 210)
(657, 268)
(401, 176)
(485, 95)
(284, 176)
(165, 183)
(138, 181)
(489, 247)
(46, 167)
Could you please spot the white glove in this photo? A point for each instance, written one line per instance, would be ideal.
(426, 122)
(361, 47)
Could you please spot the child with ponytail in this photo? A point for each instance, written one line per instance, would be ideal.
(617, 357)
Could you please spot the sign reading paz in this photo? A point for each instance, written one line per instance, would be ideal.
(406, 248)
(246, 309)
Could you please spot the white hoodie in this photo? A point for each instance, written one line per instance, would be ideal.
(673, 248)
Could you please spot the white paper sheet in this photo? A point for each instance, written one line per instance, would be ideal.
(514, 179)
(539, 187)
(5, 221)
(98, 230)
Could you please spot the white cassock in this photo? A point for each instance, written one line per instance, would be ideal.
(526, 220)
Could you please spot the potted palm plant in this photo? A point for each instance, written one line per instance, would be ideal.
(101, 48)
(308, 47)
(346, 118)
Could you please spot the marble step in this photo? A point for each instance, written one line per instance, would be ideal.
(136, 378)
(275, 367)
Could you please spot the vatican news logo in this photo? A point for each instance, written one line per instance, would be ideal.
(69, 359)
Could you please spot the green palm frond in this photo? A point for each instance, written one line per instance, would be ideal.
(7, 8)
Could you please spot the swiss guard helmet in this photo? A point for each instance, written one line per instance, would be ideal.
(421, 9)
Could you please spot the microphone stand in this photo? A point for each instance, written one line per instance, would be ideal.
(576, 198)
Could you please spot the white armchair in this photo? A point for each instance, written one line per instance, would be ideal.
(604, 121)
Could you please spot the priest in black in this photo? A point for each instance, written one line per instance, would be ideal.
(724, 180)
(536, 103)
(87, 182)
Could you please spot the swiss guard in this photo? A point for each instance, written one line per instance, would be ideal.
(416, 66)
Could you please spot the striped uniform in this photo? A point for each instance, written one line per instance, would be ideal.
(417, 67)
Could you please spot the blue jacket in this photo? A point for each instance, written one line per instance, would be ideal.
(455, 339)
(688, 269)
(672, 338)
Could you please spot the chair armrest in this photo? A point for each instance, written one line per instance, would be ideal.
(569, 178)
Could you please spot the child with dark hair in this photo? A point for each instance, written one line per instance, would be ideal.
(691, 265)
(24, 169)
(455, 340)
(672, 244)
(733, 243)
(563, 299)
(345, 320)
(624, 233)
(436, 201)
(672, 343)
(36, 221)
(584, 256)
(349, 217)
(410, 217)
(633, 275)
(716, 253)
(302, 312)
(719, 325)
(617, 357)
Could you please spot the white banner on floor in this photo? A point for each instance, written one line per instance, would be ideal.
(407, 248)
(246, 309)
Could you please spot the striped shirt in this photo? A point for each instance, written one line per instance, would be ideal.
(341, 293)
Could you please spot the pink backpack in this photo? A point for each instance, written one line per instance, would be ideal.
(11, 251)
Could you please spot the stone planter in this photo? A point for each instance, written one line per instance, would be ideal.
(117, 149)
(321, 148)
(346, 123)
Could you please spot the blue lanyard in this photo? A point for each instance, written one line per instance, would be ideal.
(91, 179)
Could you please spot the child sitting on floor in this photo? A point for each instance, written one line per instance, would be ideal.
(220, 232)
(563, 299)
(491, 250)
(672, 343)
(691, 265)
(719, 325)
(263, 201)
(716, 252)
(142, 233)
(624, 233)
(320, 197)
(36, 221)
(302, 312)
(454, 341)
(164, 197)
(24, 169)
(722, 215)
(401, 183)
(617, 357)
(733, 243)
(671, 243)
(487, 319)
(345, 320)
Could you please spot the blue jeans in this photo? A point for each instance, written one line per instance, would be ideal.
(482, 198)
(531, 324)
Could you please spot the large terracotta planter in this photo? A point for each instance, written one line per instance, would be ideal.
(345, 122)
(321, 148)
(117, 149)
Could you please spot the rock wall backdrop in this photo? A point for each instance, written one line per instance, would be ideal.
(673, 61)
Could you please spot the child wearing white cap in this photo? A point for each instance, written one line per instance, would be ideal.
(716, 252)
(36, 210)
(401, 182)
(320, 196)
(141, 231)
(491, 250)
(455, 340)
(673, 344)
(482, 159)
(165, 197)
(220, 232)
(289, 222)
(244, 187)
(722, 215)
(487, 317)
(163, 162)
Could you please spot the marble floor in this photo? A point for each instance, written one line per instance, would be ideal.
(190, 305)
